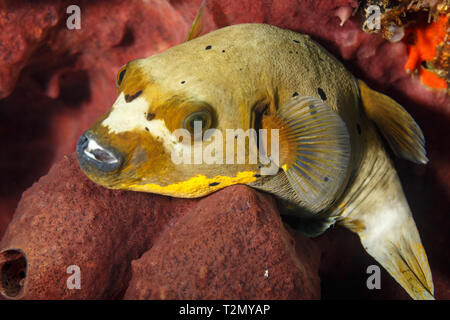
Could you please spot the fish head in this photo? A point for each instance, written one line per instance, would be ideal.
(148, 140)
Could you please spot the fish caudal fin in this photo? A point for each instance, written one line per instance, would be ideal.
(199, 21)
(389, 234)
(401, 253)
(395, 123)
(314, 149)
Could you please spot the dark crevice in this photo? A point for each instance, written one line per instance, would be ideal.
(13, 272)
(74, 88)
(128, 38)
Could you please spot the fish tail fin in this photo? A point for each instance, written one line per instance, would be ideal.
(395, 123)
(389, 234)
(404, 257)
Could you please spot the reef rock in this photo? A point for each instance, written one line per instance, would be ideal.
(232, 245)
(65, 222)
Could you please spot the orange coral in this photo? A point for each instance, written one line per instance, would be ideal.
(423, 44)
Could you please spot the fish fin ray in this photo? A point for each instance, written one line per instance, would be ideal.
(395, 123)
(399, 250)
(198, 24)
(316, 176)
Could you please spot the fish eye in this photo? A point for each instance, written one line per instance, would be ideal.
(203, 116)
(120, 75)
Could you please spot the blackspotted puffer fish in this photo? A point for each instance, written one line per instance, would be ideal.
(333, 166)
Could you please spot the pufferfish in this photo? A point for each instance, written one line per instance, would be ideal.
(333, 165)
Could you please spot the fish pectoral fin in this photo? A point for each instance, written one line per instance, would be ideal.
(395, 123)
(197, 25)
(314, 149)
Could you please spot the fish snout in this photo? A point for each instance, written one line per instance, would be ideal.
(93, 155)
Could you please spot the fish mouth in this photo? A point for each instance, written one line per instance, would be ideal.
(92, 155)
(96, 152)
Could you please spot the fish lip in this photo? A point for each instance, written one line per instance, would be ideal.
(88, 160)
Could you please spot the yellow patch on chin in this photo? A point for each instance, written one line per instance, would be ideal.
(195, 187)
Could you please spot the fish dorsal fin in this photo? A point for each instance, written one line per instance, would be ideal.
(197, 25)
(314, 149)
(395, 123)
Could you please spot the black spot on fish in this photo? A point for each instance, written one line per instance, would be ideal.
(121, 75)
(150, 116)
(296, 41)
(325, 179)
(296, 52)
(223, 51)
(146, 129)
(129, 98)
(183, 82)
(137, 94)
(322, 94)
(208, 47)
(358, 127)
(214, 184)
(257, 175)
(295, 94)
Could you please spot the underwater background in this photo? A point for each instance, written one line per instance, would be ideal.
(55, 82)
